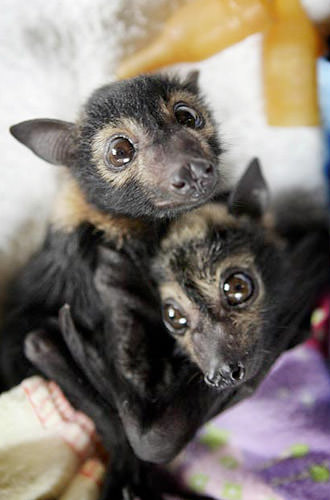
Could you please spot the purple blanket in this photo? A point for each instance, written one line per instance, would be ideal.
(273, 446)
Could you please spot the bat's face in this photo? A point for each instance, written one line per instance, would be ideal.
(142, 147)
(219, 280)
(235, 285)
(148, 146)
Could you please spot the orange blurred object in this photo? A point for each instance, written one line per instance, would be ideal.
(289, 67)
(197, 30)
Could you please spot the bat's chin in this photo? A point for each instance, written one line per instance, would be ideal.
(177, 206)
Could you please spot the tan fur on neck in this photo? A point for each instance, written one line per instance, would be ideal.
(72, 209)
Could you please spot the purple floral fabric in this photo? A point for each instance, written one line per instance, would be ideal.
(273, 446)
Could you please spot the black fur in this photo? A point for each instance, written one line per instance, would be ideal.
(113, 307)
(63, 270)
(294, 272)
(66, 267)
(288, 252)
(162, 399)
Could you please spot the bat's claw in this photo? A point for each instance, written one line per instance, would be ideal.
(37, 345)
(128, 494)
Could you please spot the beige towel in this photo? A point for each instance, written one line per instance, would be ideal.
(47, 449)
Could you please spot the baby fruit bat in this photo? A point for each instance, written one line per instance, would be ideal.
(142, 151)
(236, 282)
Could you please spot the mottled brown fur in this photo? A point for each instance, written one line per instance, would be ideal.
(238, 322)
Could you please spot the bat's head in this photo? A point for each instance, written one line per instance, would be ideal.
(231, 287)
(142, 147)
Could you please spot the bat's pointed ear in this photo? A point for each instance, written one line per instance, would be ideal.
(191, 80)
(251, 195)
(51, 140)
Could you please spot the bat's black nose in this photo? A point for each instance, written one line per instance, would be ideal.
(228, 374)
(194, 179)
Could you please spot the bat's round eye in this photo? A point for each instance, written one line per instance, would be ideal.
(120, 152)
(187, 116)
(174, 319)
(238, 288)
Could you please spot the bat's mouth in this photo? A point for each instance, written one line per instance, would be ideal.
(194, 200)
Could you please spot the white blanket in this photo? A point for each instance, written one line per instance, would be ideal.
(47, 449)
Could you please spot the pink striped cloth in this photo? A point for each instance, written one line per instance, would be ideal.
(47, 448)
